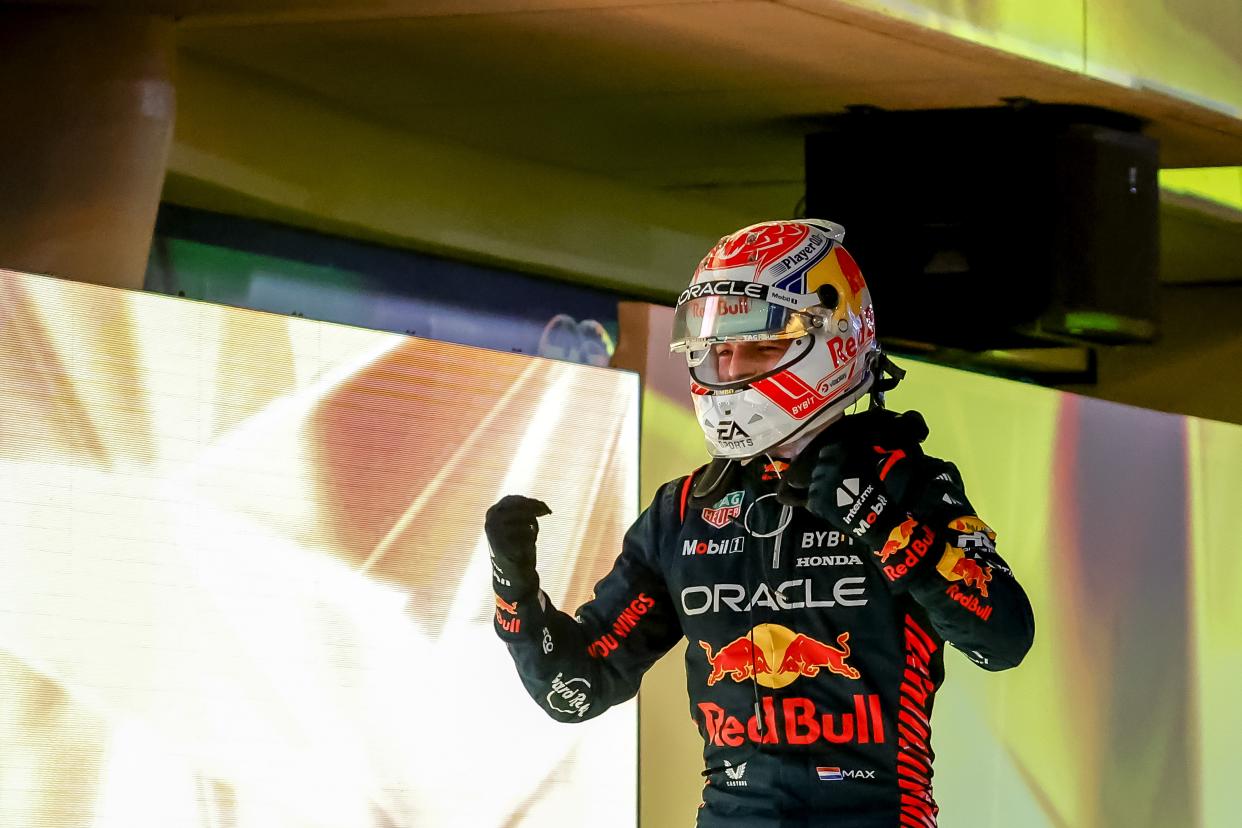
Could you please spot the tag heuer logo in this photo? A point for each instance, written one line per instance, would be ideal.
(725, 510)
(847, 492)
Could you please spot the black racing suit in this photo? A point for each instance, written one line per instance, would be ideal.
(811, 679)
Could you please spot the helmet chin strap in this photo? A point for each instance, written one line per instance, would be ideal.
(884, 366)
(712, 482)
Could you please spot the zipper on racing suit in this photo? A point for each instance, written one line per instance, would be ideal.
(783, 523)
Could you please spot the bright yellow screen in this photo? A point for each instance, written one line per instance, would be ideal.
(243, 581)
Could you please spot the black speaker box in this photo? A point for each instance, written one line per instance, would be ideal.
(995, 227)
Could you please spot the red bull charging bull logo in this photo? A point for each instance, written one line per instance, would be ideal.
(903, 539)
(957, 565)
(898, 539)
(973, 574)
(775, 656)
(506, 615)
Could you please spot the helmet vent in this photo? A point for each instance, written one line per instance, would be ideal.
(756, 418)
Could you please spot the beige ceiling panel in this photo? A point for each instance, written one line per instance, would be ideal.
(392, 65)
(773, 44)
(233, 12)
(1050, 31)
(636, 143)
(656, 95)
(1191, 134)
(613, 89)
(729, 46)
(249, 147)
(1191, 49)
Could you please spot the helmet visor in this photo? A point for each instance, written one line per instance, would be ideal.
(701, 322)
(736, 365)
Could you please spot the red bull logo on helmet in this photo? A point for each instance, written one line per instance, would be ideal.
(775, 656)
(851, 271)
(844, 348)
(723, 307)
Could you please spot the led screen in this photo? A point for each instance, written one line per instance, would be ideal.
(244, 583)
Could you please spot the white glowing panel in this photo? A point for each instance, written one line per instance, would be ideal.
(243, 581)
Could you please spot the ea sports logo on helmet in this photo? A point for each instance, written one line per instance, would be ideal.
(730, 435)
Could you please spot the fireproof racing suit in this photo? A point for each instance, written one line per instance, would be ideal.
(811, 673)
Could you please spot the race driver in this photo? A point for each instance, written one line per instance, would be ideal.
(817, 566)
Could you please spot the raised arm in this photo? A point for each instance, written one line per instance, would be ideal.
(911, 512)
(577, 667)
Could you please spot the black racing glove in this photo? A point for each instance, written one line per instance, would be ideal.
(512, 527)
(849, 490)
(860, 477)
(878, 443)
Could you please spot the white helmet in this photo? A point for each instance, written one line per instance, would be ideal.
(780, 280)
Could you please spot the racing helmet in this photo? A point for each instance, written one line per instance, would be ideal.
(780, 281)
